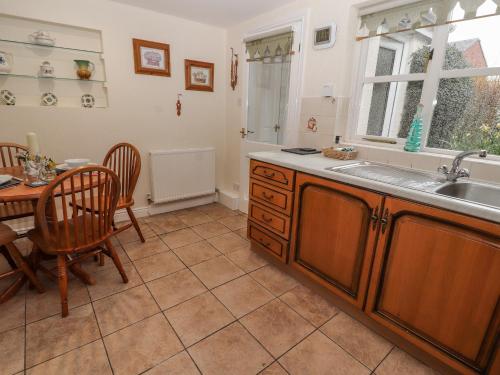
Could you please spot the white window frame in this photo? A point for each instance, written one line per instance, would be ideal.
(431, 79)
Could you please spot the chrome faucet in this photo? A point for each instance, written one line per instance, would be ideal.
(456, 172)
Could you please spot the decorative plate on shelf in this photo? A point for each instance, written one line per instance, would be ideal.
(7, 98)
(88, 101)
(49, 99)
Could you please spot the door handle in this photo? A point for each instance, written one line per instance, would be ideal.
(244, 132)
(385, 220)
(374, 218)
(269, 175)
(268, 197)
(266, 219)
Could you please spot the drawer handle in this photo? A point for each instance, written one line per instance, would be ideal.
(268, 197)
(269, 175)
(266, 219)
(262, 242)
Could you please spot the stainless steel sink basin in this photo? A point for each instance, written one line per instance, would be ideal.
(473, 192)
(389, 174)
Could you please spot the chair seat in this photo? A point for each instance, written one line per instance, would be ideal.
(7, 235)
(15, 210)
(58, 243)
(122, 203)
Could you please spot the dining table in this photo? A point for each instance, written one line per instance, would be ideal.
(22, 192)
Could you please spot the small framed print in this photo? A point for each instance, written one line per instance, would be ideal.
(151, 58)
(199, 75)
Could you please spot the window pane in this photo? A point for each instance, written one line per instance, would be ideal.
(473, 44)
(401, 53)
(387, 109)
(467, 114)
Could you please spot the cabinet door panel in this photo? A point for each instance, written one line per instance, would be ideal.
(334, 235)
(438, 278)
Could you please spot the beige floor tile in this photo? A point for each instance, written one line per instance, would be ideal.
(125, 308)
(277, 327)
(139, 250)
(196, 253)
(234, 222)
(242, 295)
(216, 271)
(90, 359)
(242, 232)
(211, 229)
(40, 306)
(159, 265)
(316, 309)
(181, 238)
(216, 211)
(195, 218)
(109, 281)
(12, 351)
(275, 280)
(53, 336)
(13, 312)
(232, 350)
(130, 234)
(195, 319)
(320, 356)
(246, 259)
(92, 266)
(362, 343)
(165, 223)
(229, 242)
(274, 369)
(142, 345)
(176, 288)
(399, 362)
(179, 364)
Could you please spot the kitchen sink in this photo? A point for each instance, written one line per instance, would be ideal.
(389, 174)
(471, 191)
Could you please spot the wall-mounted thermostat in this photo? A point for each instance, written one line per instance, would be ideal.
(324, 36)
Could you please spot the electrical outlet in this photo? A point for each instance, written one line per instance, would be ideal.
(236, 187)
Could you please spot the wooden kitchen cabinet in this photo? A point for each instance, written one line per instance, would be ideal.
(333, 240)
(435, 282)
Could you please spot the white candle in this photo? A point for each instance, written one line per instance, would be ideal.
(32, 141)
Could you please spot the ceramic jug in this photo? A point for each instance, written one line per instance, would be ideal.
(85, 68)
(6, 61)
(46, 70)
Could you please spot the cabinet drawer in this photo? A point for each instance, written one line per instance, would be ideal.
(272, 174)
(271, 196)
(268, 241)
(269, 219)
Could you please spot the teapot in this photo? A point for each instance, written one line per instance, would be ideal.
(43, 38)
(6, 61)
(46, 70)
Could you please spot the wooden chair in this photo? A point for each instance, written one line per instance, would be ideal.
(125, 160)
(74, 237)
(10, 211)
(17, 264)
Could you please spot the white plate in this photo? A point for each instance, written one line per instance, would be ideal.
(4, 178)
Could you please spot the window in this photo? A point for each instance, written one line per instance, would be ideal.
(452, 69)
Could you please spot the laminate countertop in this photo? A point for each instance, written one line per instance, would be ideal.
(316, 165)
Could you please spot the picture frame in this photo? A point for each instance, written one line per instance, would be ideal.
(199, 75)
(151, 58)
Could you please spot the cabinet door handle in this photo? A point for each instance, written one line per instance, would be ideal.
(374, 218)
(269, 175)
(266, 219)
(263, 243)
(268, 197)
(385, 220)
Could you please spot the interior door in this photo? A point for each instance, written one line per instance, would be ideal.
(271, 95)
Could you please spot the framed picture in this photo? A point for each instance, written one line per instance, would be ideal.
(151, 58)
(199, 75)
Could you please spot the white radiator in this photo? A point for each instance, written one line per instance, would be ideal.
(182, 174)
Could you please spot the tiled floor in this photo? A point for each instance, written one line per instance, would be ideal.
(198, 300)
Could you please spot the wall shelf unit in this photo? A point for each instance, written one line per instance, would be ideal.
(71, 43)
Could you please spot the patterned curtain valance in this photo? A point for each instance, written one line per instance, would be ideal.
(272, 46)
(424, 13)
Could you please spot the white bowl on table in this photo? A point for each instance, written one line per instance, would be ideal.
(76, 163)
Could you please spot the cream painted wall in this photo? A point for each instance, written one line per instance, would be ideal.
(331, 65)
(141, 108)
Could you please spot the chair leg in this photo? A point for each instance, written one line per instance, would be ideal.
(14, 251)
(135, 223)
(116, 260)
(62, 273)
(6, 254)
